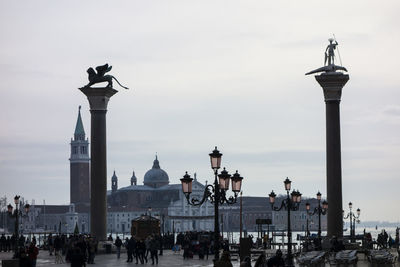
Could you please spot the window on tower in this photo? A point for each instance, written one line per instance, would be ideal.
(74, 150)
(83, 150)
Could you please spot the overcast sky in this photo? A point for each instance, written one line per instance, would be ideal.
(203, 73)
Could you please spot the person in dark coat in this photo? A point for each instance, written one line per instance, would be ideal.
(131, 248)
(8, 243)
(77, 258)
(33, 252)
(140, 251)
(50, 244)
(118, 244)
(277, 260)
(224, 261)
(3, 240)
(154, 245)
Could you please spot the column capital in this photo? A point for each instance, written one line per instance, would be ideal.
(332, 84)
(98, 97)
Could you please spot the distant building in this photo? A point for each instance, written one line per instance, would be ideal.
(80, 168)
(156, 197)
(161, 199)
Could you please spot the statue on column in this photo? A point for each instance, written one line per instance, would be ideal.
(330, 51)
(329, 68)
(101, 77)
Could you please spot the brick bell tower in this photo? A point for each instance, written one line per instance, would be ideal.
(79, 167)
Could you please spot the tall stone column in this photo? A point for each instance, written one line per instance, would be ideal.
(332, 84)
(98, 100)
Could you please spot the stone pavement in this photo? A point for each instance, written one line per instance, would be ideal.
(110, 260)
(169, 259)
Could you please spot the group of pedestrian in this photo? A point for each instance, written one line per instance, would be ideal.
(6, 243)
(78, 250)
(192, 242)
(27, 250)
(140, 248)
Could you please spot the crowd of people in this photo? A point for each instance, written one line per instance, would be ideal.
(140, 249)
(24, 248)
(79, 250)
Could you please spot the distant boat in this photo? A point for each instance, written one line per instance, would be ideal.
(345, 229)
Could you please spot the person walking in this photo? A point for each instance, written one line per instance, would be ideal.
(57, 250)
(147, 244)
(154, 244)
(261, 261)
(3, 240)
(8, 243)
(131, 249)
(141, 249)
(91, 247)
(224, 261)
(126, 244)
(118, 244)
(277, 260)
(33, 252)
(50, 244)
(77, 258)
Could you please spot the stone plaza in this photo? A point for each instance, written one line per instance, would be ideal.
(169, 259)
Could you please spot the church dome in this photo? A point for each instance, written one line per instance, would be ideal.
(156, 177)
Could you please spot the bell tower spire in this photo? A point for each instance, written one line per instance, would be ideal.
(79, 165)
(114, 182)
(79, 133)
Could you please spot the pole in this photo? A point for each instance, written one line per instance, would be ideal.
(319, 219)
(351, 226)
(289, 251)
(307, 229)
(16, 254)
(240, 219)
(222, 226)
(216, 217)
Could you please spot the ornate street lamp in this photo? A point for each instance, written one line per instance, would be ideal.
(353, 218)
(320, 210)
(216, 192)
(290, 203)
(16, 214)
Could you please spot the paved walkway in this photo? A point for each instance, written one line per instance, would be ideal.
(110, 260)
(169, 259)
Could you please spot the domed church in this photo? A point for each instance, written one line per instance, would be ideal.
(156, 177)
(159, 198)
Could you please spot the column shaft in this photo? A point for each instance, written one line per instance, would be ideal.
(98, 100)
(334, 169)
(98, 169)
(332, 85)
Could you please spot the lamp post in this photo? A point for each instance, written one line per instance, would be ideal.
(215, 193)
(353, 219)
(16, 214)
(291, 203)
(320, 210)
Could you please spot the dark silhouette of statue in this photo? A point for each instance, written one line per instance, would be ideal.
(330, 51)
(101, 77)
(329, 68)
